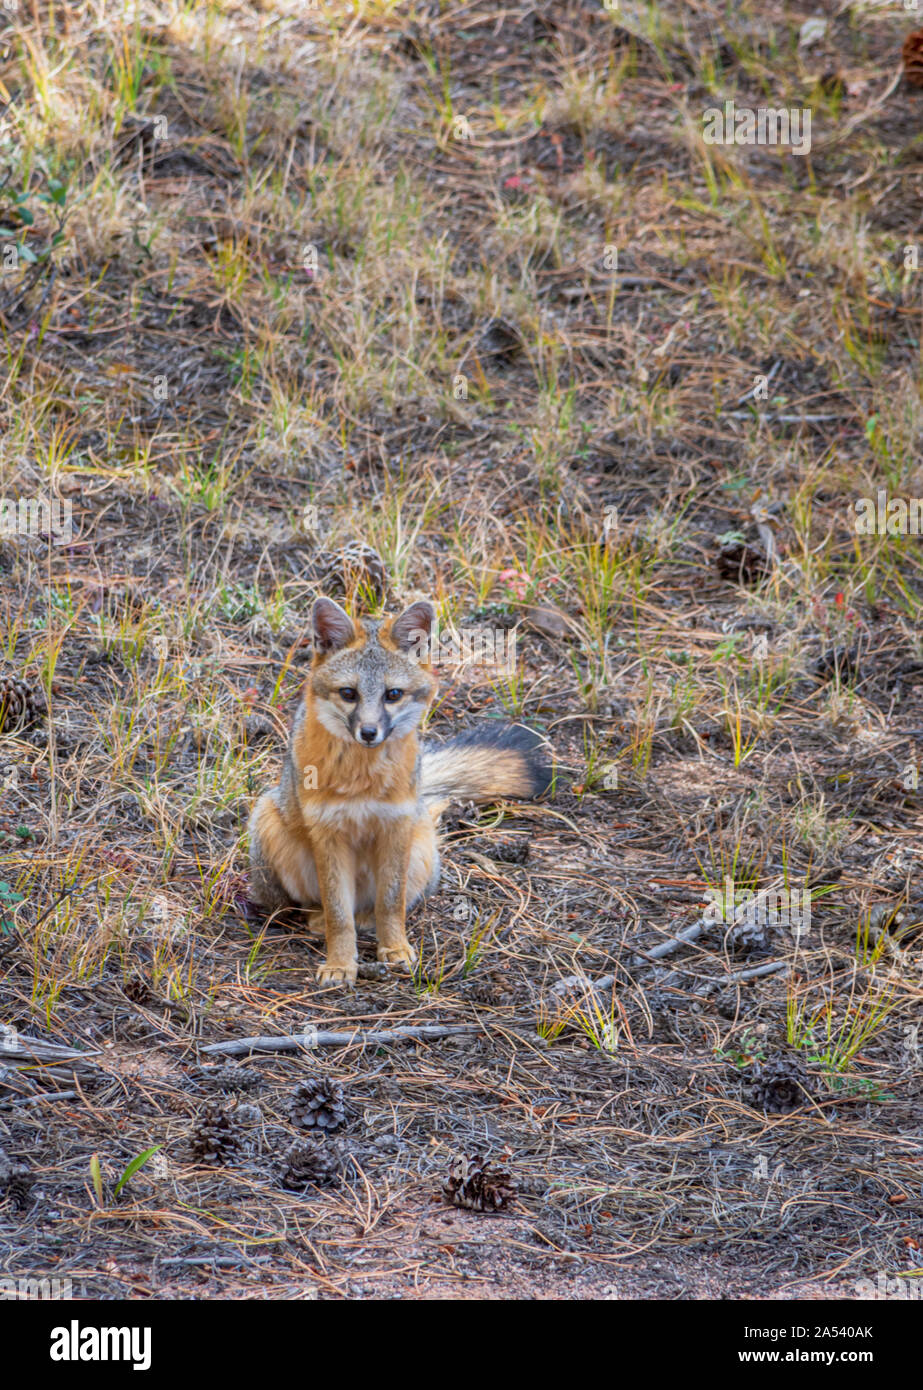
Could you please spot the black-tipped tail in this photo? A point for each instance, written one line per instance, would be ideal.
(488, 763)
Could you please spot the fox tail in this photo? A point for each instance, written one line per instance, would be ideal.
(486, 764)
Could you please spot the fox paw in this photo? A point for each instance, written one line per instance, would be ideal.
(397, 955)
(337, 974)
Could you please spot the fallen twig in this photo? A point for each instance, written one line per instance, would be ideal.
(37, 1049)
(42, 1096)
(682, 938)
(754, 971)
(309, 1039)
(576, 981)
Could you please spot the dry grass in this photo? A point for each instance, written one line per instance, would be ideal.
(287, 278)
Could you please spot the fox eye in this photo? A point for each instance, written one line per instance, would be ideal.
(348, 693)
(393, 695)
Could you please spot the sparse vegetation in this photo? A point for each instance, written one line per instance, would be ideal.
(393, 298)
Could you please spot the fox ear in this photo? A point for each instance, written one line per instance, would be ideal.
(411, 629)
(333, 628)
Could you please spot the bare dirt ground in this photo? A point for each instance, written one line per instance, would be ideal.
(383, 300)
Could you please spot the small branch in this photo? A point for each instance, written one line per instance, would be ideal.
(13, 1044)
(684, 938)
(580, 981)
(43, 1096)
(666, 948)
(673, 943)
(771, 968)
(681, 938)
(220, 1261)
(305, 1042)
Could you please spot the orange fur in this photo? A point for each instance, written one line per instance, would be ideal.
(351, 827)
(347, 829)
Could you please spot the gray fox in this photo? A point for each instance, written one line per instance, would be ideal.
(351, 827)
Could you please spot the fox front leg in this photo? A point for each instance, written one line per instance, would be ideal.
(392, 860)
(336, 876)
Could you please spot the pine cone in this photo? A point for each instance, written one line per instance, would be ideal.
(475, 1184)
(213, 1139)
(782, 1083)
(16, 1182)
(750, 938)
(19, 1189)
(356, 563)
(503, 849)
(899, 923)
(20, 705)
(318, 1105)
(137, 989)
(312, 1163)
(500, 340)
(495, 988)
(232, 1078)
(912, 55)
(742, 564)
(745, 937)
(462, 818)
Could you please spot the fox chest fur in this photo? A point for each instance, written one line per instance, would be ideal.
(344, 789)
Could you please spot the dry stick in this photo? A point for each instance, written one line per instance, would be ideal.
(673, 943)
(770, 968)
(573, 981)
(43, 1096)
(37, 1049)
(20, 1050)
(748, 394)
(304, 1042)
(739, 915)
(681, 938)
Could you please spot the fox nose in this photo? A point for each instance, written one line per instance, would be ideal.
(368, 733)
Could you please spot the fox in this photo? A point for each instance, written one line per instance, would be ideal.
(351, 830)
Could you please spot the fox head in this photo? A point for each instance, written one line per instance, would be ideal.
(370, 679)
